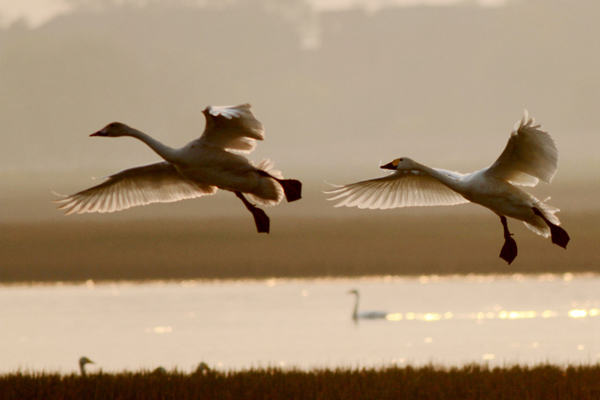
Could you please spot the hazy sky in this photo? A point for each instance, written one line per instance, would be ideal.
(37, 12)
(442, 85)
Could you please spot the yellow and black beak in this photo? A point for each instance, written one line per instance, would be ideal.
(391, 165)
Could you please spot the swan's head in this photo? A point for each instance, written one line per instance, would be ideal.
(400, 164)
(84, 360)
(353, 291)
(115, 129)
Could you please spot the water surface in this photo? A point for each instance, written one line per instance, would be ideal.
(301, 323)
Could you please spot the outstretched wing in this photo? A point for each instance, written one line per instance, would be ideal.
(154, 183)
(232, 127)
(530, 155)
(400, 189)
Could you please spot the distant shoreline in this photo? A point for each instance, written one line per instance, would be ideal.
(436, 278)
(228, 249)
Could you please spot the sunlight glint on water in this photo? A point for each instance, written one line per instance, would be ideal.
(301, 323)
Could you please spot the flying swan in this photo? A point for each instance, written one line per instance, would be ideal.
(197, 169)
(530, 155)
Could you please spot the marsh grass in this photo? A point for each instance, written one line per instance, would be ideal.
(428, 382)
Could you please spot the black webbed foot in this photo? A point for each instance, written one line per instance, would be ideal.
(261, 219)
(509, 250)
(560, 237)
(292, 189)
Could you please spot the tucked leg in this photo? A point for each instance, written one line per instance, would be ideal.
(559, 235)
(261, 219)
(291, 187)
(509, 250)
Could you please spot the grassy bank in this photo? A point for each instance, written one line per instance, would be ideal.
(390, 243)
(469, 382)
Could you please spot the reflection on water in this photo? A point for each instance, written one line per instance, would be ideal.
(594, 312)
(302, 323)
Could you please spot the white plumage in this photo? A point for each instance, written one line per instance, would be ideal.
(197, 169)
(530, 155)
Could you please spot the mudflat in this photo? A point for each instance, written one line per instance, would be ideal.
(230, 248)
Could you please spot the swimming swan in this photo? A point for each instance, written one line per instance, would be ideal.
(82, 362)
(197, 169)
(364, 314)
(529, 156)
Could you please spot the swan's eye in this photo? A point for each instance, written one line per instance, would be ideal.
(400, 159)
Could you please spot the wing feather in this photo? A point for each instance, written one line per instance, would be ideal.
(400, 189)
(232, 127)
(530, 155)
(154, 183)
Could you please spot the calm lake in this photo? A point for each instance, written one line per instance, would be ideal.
(301, 323)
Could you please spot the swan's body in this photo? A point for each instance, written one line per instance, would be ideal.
(197, 169)
(529, 156)
(364, 314)
(82, 362)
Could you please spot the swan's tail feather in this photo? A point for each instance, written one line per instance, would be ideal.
(291, 187)
(269, 192)
(537, 224)
(267, 165)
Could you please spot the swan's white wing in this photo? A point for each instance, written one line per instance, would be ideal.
(232, 127)
(530, 154)
(400, 189)
(154, 183)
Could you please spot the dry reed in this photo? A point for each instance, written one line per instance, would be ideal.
(428, 382)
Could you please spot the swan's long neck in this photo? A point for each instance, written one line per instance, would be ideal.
(82, 368)
(355, 313)
(445, 179)
(168, 153)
